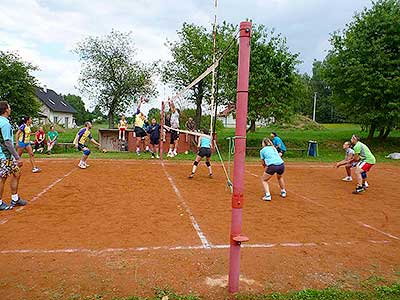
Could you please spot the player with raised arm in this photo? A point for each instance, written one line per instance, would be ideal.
(173, 145)
(80, 142)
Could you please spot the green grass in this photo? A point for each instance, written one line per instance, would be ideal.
(330, 140)
(389, 292)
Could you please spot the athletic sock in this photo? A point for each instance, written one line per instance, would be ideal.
(14, 197)
(1, 202)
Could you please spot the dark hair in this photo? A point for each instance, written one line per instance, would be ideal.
(205, 131)
(3, 107)
(23, 120)
(274, 133)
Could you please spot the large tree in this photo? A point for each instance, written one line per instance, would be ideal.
(110, 74)
(82, 114)
(363, 70)
(273, 77)
(192, 54)
(17, 85)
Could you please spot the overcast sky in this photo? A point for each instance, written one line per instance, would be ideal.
(44, 32)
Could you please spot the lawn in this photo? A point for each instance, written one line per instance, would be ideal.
(330, 140)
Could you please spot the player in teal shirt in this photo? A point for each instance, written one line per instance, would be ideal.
(204, 146)
(10, 161)
(273, 163)
(278, 143)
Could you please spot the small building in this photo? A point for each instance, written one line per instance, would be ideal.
(228, 118)
(54, 108)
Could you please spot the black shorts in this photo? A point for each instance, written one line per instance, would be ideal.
(81, 147)
(139, 132)
(272, 169)
(281, 151)
(204, 152)
(174, 136)
(154, 141)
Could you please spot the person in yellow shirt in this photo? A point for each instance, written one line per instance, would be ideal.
(23, 137)
(140, 133)
(122, 126)
(82, 137)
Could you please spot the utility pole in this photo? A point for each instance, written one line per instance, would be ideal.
(315, 106)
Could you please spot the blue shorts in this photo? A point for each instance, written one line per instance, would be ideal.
(23, 145)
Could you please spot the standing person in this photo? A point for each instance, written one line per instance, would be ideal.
(40, 140)
(154, 130)
(278, 143)
(52, 136)
(80, 142)
(10, 160)
(191, 126)
(23, 137)
(365, 161)
(273, 163)
(167, 122)
(173, 145)
(122, 125)
(204, 146)
(140, 133)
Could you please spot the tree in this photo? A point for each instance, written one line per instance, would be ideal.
(17, 85)
(273, 77)
(110, 75)
(363, 71)
(82, 115)
(154, 113)
(192, 54)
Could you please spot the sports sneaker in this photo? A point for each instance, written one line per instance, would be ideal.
(210, 175)
(86, 165)
(19, 202)
(358, 190)
(191, 175)
(283, 194)
(365, 185)
(5, 206)
(36, 170)
(347, 178)
(138, 153)
(157, 156)
(267, 197)
(82, 166)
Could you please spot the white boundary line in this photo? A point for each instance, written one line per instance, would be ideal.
(177, 248)
(195, 224)
(324, 206)
(35, 198)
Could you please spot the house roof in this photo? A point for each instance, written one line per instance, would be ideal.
(227, 111)
(54, 101)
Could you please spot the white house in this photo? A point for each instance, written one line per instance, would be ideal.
(55, 109)
(228, 117)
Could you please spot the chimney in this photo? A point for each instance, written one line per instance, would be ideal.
(45, 89)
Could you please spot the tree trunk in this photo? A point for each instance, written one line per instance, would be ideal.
(381, 133)
(387, 132)
(110, 119)
(199, 101)
(252, 127)
(371, 133)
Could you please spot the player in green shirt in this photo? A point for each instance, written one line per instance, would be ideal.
(365, 161)
(52, 136)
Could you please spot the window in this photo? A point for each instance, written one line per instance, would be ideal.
(55, 119)
(51, 101)
(63, 104)
(66, 122)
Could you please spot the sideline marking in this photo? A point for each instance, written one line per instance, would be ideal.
(324, 206)
(45, 190)
(195, 225)
(177, 248)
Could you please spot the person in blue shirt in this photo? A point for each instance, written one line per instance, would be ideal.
(278, 143)
(273, 163)
(204, 146)
(10, 160)
(154, 131)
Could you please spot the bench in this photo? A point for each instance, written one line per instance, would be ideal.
(303, 151)
(65, 146)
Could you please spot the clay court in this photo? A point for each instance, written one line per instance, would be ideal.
(122, 228)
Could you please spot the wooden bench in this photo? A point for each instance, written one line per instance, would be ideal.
(65, 146)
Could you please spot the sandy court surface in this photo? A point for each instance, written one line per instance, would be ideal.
(121, 228)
